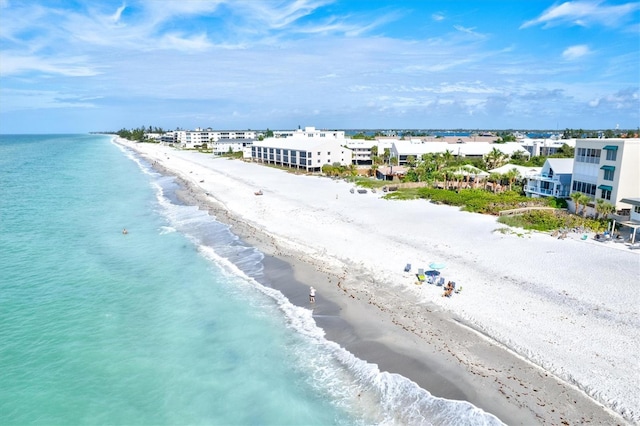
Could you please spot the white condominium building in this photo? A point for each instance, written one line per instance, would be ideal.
(302, 152)
(311, 133)
(189, 139)
(607, 169)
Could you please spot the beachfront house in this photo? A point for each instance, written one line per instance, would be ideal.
(608, 169)
(302, 152)
(554, 180)
(225, 146)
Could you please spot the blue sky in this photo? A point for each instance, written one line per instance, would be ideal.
(78, 66)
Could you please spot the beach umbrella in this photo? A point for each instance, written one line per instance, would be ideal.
(437, 265)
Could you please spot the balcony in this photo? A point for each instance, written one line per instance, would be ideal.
(546, 192)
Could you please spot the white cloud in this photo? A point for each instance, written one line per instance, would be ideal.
(438, 16)
(116, 16)
(584, 13)
(575, 52)
(70, 67)
(19, 100)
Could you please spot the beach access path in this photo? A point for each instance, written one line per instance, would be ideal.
(543, 329)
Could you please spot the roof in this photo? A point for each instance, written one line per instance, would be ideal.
(563, 166)
(299, 143)
(632, 201)
(522, 170)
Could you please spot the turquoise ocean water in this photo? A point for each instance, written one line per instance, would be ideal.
(168, 324)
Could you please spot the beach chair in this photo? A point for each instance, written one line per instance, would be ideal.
(407, 268)
(440, 282)
(420, 275)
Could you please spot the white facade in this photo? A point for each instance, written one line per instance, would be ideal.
(188, 139)
(607, 169)
(545, 147)
(224, 146)
(302, 152)
(361, 150)
(310, 132)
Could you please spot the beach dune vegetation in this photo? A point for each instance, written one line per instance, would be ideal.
(549, 220)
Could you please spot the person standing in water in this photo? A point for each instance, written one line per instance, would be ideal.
(312, 295)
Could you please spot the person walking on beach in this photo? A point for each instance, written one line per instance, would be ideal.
(312, 295)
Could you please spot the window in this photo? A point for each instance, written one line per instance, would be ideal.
(611, 155)
(588, 155)
(606, 194)
(608, 174)
(585, 188)
(636, 209)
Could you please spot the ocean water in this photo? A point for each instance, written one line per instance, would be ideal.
(166, 325)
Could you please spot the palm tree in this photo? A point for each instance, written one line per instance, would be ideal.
(584, 200)
(438, 161)
(494, 178)
(577, 199)
(511, 176)
(495, 158)
(603, 208)
(448, 175)
(374, 151)
(447, 157)
(387, 155)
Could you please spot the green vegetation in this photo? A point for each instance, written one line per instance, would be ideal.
(546, 220)
(138, 133)
(369, 183)
(474, 200)
(363, 136)
(237, 155)
(338, 170)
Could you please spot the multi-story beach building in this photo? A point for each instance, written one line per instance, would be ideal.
(310, 132)
(554, 180)
(302, 152)
(190, 139)
(608, 169)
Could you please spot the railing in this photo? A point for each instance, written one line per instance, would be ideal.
(551, 192)
(546, 178)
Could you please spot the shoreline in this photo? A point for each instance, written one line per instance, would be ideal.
(440, 351)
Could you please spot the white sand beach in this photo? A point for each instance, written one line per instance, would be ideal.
(544, 330)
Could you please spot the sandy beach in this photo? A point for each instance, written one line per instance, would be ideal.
(543, 331)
